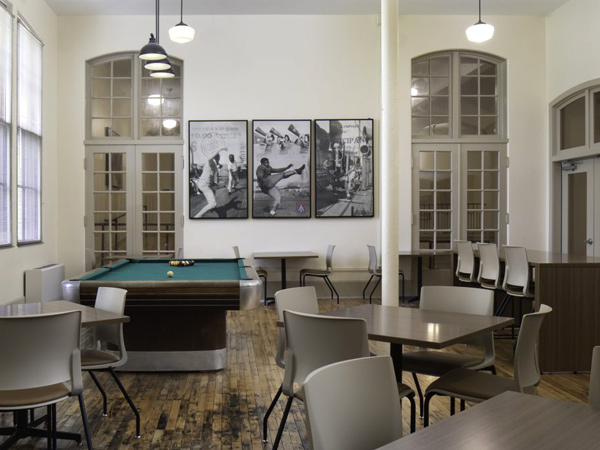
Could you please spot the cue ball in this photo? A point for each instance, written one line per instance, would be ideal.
(170, 274)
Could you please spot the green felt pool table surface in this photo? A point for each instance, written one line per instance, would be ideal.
(156, 270)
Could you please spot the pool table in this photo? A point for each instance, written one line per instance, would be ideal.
(177, 323)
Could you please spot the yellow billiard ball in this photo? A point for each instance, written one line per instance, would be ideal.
(170, 274)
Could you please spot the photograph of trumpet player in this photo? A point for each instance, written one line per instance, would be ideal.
(218, 187)
(344, 168)
(281, 161)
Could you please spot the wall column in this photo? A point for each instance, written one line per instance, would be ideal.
(390, 144)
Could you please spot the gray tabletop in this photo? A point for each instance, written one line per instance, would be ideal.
(511, 421)
(284, 255)
(423, 328)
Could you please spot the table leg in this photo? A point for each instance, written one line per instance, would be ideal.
(283, 274)
(24, 429)
(419, 276)
(396, 354)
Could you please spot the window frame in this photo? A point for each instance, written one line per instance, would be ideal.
(6, 178)
(39, 235)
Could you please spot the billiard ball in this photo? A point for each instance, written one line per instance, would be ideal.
(170, 274)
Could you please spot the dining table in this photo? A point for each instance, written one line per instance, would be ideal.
(411, 326)
(283, 256)
(90, 317)
(511, 421)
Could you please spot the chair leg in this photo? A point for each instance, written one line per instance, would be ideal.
(462, 404)
(452, 406)
(371, 295)
(133, 408)
(286, 411)
(419, 392)
(54, 428)
(402, 298)
(49, 426)
(268, 413)
(502, 305)
(366, 286)
(413, 413)
(99, 386)
(428, 398)
(265, 283)
(86, 428)
(332, 289)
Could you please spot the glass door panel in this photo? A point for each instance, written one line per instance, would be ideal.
(578, 208)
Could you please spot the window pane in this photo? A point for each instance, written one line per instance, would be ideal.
(420, 86)
(469, 86)
(150, 222)
(426, 200)
(5, 222)
(444, 221)
(490, 180)
(473, 199)
(473, 160)
(490, 200)
(596, 117)
(439, 86)
(443, 200)
(443, 240)
(426, 180)
(439, 106)
(121, 127)
(29, 82)
(490, 160)
(122, 68)
(149, 182)
(440, 66)
(100, 88)
(420, 68)
(488, 86)
(469, 125)
(426, 220)
(489, 125)
(474, 180)
(420, 106)
(469, 66)
(469, 106)
(572, 124)
(5, 65)
(443, 180)
(29, 148)
(426, 161)
(101, 70)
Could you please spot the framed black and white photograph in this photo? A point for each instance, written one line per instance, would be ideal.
(218, 187)
(281, 178)
(344, 168)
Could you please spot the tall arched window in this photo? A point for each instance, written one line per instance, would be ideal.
(459, 148)
(134, 159)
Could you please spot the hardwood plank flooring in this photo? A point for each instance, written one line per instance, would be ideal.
(224, 410)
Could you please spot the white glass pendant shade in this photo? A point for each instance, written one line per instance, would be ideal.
(480, 32)
(169, 73)
(169, 124)
(152, 51)
(181, 33)
(163, 64)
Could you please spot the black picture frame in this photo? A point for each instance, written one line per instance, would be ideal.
(205, 138)
(344, 169)
(287, 146)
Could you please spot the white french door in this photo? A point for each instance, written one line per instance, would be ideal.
(133, 201)
(581, 207)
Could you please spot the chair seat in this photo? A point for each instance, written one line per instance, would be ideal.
(95, 357)
(26, 398)
(404, 390)
(437, 363)
(315, 272)
(472, 385)
(261, 271)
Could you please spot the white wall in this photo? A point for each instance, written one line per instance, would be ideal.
(572, 38)
(520, 40)
(15, 260)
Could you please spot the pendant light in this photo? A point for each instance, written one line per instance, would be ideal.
(181, 33)
(153, 53)
(167, 73)
(481, 31)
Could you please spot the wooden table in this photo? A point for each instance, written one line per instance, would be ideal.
(90, 317)
(283, 256)
(411, 326)
(511, 421)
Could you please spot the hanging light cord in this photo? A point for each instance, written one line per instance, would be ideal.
(157, 25)
(479, 10)
(181, 10)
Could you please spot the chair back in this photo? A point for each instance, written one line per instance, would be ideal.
(594, 396)
(353, 405)
(372, 259)
(329, 258)
(489, 266)
(111, 336)
(464, 300)
(90, 259)
(300, 299)
(516, 271)
(315, 341)
(38, 351)
(527, 371)
(465, 267)
(236, 251)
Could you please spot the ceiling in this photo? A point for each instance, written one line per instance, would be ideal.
(215, 7)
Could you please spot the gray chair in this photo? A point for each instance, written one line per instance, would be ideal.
(436, 363)
(261, 272)
(594, 395)
(109, 351)
(465, 265)
(472, 386)
(300, 299)
(322, 273)
(353, 405)
(41, 366)
(375, 271)
(489, 267)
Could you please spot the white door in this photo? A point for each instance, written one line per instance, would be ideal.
(579, 207)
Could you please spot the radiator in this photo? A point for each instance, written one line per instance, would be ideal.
(42, 284)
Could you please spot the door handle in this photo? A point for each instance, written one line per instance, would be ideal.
(589, 241)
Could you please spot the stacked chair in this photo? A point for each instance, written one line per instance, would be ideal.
(322, 273)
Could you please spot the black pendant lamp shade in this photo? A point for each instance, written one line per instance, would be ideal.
(167, 73)
(152, 51)
(162, 64)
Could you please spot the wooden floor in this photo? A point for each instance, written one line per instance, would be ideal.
(222, 410)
